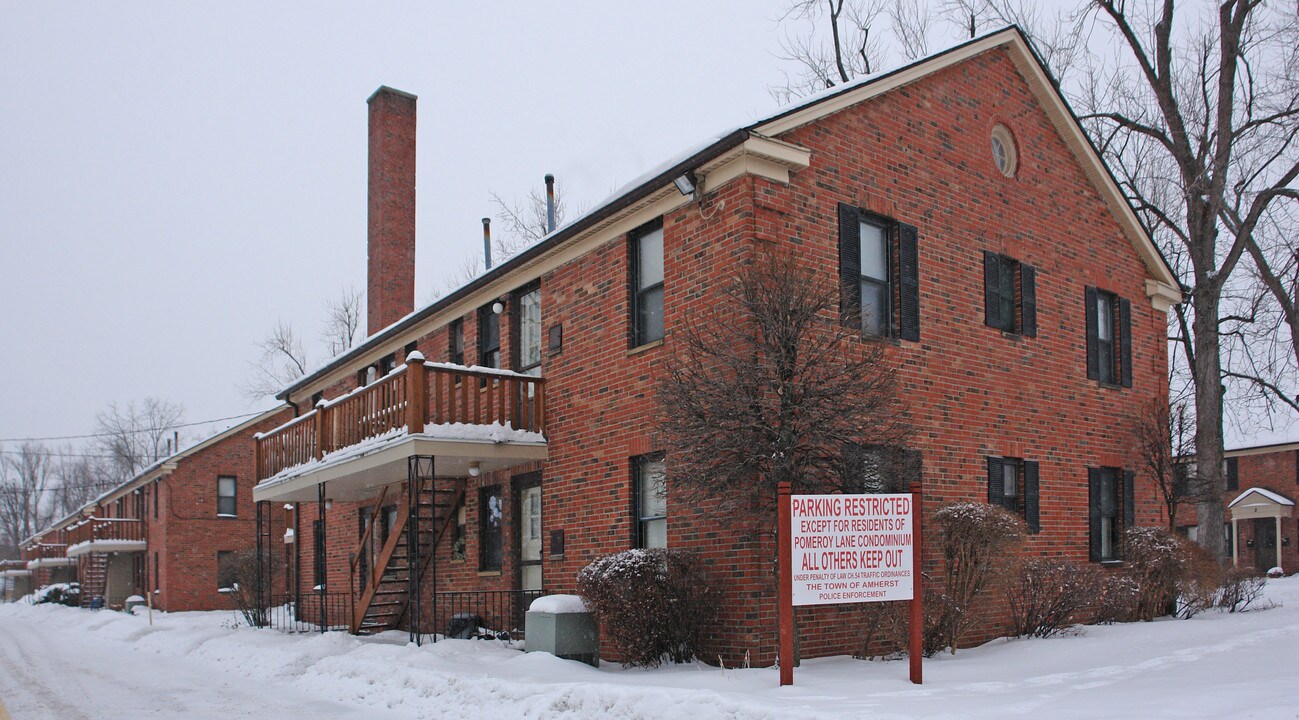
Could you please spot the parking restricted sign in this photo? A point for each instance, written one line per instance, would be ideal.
(851, 548)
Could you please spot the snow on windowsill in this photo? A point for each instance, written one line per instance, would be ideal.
(226, 515)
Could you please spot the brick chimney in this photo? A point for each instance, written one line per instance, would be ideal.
(390, 279)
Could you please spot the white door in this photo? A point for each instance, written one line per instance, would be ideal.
(530, 538)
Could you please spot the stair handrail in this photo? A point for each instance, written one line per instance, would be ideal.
(376, 572)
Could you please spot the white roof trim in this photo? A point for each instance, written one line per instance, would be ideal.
(1278, 499)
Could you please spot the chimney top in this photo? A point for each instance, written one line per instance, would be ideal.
(384, 89)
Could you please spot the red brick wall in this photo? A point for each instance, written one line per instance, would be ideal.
(187, 534)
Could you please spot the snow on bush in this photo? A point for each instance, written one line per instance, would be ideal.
(651, 604)
(977, 540)
(60, 593)
(1172, 575)
(1048, 595)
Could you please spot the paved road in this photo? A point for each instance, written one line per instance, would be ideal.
(47, 673)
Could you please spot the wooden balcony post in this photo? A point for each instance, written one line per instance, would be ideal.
(320, 429)
(416, 392)
(257, 461)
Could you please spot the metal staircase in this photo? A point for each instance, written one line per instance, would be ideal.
(390, 596)
(94, 579)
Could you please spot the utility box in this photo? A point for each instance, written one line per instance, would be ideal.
(562, 626)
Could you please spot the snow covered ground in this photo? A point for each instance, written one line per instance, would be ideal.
(64, 663)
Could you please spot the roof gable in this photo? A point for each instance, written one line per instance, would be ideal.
(1163, 288)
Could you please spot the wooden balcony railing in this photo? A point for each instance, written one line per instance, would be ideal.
(94, 529)
(411, 397)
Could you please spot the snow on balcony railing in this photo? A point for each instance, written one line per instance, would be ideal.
(95, 534)
(405, 401)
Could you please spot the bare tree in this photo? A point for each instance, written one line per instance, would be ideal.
(343, 315)
(1200, 124)
(847, 48)
(137, 435)
(1166, 445)
(519, 224)
(767, 387)
(25, 479)
(80, 479)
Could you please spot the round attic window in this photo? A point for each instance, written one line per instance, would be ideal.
(1003, 151)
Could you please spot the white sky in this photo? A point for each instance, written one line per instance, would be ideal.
(176, 177)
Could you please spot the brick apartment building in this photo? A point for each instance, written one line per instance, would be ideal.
(173, 530)
(974, 231)
(1262, 526)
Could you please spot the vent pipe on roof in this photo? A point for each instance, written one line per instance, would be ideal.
(550, 203)
(487, 242)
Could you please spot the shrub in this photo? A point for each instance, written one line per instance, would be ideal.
(888, 625)
(651, 604)
(1200, 582)
(1117, 601)
(1155, 560)
(1047, 595)
(240, 576)
(1240, 588)
(59, 594)
(977, 539)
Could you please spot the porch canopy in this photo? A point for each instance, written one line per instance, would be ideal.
(1258, 503)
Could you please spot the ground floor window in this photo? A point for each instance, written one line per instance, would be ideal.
(650, 502)
(1110, 497)
(226, 577)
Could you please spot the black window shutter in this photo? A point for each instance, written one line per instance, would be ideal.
(991, 289)
(909, 285)
(1129, 500)
(1125, 341)
(1094, 512)
(1233, 474)
(1092, 332)
(1031, 496)
(1028, 300)
(996, 482)
(849, 265)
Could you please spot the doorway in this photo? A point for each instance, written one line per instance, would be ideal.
(528, 530)
(1264, 544)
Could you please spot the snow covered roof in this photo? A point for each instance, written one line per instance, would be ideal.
(1277, 498)
(799, 112)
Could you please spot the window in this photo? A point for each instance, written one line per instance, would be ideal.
(878, 275)
(651, 501)
(156, 579)
(527, 351)
(456, 343)
(1009, 295)
(878, 469)
(1004, 155)
(157, 498)
(226, 488)
(226, 574)
(1013, 484)
(1109, 338)
(458, 542)
(647, 284)
(489, 337)
(386, 364)
(1111, 511)
(490, 522)
(1231, 470)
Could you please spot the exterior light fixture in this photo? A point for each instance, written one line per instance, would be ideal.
(475, 469)
(329, 503)
(685, 183)
(497, 307)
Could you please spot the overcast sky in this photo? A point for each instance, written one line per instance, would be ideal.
(176, 177)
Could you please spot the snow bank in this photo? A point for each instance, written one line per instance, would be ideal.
(558, 604)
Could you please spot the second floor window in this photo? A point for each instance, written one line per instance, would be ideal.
(226, 489)
(456, 342)
(1009, 295)
(489, 337)
(647, 284)
(879, 275)
(528, 308)
(1109, 338)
